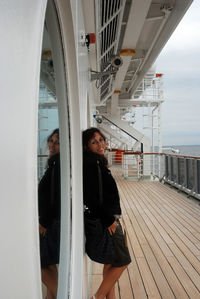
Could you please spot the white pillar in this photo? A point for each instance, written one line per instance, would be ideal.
(114, 104)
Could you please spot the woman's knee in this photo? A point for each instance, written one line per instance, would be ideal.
(53, 268)
(124, 267)
(106, 268)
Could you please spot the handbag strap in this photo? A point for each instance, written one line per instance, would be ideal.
(100, 184)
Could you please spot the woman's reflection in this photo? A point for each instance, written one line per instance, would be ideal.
(49, 217)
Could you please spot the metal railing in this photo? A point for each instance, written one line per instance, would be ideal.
(132, 165)
(131, 162)
(182, 172)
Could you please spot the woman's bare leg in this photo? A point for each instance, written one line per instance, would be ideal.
(111, 293)
(49, 295)
(50, 279)
(111, 276)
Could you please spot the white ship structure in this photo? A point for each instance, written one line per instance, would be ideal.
(91, 63)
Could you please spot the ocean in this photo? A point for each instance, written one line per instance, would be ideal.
(185, 150)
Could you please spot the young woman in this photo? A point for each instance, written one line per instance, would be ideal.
(49, 217)
(109, 211)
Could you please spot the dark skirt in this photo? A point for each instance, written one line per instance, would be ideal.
(120, 255)
(50, 245)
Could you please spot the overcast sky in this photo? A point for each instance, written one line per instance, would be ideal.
(179, 61)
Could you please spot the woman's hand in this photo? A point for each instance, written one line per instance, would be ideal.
(112, 228)
(42, 230)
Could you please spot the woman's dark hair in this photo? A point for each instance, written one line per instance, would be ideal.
(86, 136)
(89, 134)
(56, 131)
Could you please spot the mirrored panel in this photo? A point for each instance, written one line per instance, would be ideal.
(53, 196)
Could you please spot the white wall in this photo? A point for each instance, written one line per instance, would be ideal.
(21, 25)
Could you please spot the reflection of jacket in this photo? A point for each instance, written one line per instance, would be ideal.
(111, 201)
(49, 192)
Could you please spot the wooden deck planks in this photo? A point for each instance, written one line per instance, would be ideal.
(163, 230)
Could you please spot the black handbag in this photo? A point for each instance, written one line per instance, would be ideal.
(99, 243)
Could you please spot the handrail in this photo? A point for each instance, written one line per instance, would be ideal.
(173, 155)
(129, 152)
(162, 154)
(132, 153)
(180, 171)
(103, 116)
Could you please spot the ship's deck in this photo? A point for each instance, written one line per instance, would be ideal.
(163, 231)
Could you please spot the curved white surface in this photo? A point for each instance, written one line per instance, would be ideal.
(76, 262)
(21, 26)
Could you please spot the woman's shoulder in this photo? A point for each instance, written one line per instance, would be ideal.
(54, 160)
(90, 158)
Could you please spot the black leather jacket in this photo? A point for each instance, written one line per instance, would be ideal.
(111, 201)
(49, 193)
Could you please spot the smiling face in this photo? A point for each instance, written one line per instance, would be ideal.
(97, 144)
(54, 145)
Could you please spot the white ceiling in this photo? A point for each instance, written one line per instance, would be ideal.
(142, 25)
